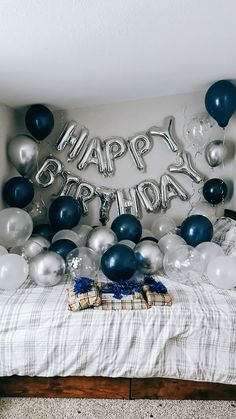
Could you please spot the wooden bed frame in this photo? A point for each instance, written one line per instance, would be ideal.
(114, 388)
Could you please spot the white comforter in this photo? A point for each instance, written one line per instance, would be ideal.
(194, 339)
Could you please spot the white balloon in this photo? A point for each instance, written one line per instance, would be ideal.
(203, 208)
(13, 271)
(82, 231)
(3, 251)
(16, 226)
(170, 242)
(68, 235)
(209, 250)
(163, 225)
(221, 272)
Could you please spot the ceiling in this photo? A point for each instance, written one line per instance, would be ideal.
(76, 53)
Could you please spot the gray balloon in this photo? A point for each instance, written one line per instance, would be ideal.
(149, 257)
(100, 239)
(23, 154)
(215, 153)
(47, 269)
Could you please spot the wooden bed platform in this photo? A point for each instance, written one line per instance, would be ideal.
(114, 388)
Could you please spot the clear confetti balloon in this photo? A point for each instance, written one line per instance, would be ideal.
(184, 264)
(82, 261)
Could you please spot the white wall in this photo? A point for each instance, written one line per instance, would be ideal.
(126, 119)
(7, 127)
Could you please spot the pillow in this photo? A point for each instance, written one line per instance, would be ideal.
(221, 227)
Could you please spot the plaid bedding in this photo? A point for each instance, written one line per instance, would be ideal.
(193, 339)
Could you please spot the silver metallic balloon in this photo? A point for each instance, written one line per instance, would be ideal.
(138, 145)
(185, 166)
(93, 154)
(107, 197)
(28, 250)
(47, 269)
(37, 210)
(76, 142)
(166, 132)
(114, 148)
(216, 153)
(149, 194)
(48, 171)
(100, 239)
(127, 201)
(23, 154)
(44, 243)
(170, 189)
(16, 227)
(149, 257)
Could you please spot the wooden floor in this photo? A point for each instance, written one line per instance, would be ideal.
(114, 388)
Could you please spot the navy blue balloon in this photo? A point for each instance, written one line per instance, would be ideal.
(44, 230)
(62, 247)
(127, 227)
(220, 101)
(18, 192)
(64, 213)
(118, 262)
(39, 121)
(214, 191)
(196, 229)
(153, 239)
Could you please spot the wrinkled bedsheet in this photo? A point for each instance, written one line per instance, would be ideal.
(195, 339)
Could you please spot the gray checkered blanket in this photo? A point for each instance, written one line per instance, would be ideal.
(194, 339)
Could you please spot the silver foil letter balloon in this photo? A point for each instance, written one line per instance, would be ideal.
(138, 145)
(185, 167)
(114, 148)
(93, 154)
(170, 189)
(50, 168)
(127, 202)
(149, 194)
(85, 192)
(107, 197)
(75, 187)
(76, 142)
(166, 132)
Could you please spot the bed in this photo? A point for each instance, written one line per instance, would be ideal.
(183, 351)
(194, 339)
